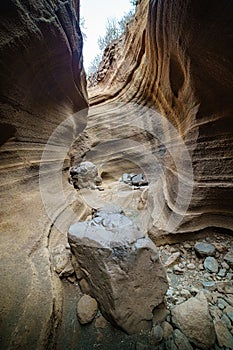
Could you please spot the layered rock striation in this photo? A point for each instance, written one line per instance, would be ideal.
(175, 58)
(162, 107)
(42, 84)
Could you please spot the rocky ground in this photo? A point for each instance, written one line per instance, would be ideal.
(198, 310)
(201, 271)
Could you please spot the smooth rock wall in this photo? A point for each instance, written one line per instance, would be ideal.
(42, 83)
(176, 58)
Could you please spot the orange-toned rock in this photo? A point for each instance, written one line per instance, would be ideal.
(176, 59)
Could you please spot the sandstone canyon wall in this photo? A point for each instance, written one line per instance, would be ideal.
(176, 59)
(42, 84)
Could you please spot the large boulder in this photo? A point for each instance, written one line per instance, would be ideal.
(122, 268)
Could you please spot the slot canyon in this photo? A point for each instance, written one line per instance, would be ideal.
(117, 193)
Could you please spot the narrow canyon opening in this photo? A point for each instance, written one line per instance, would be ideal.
(116, 183)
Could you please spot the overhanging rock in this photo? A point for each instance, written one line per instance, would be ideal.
(122, 268)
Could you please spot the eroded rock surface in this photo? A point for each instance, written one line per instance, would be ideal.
(122, 268)
(178, 73)
(176, 58)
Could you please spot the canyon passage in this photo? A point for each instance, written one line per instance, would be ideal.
(138, 161)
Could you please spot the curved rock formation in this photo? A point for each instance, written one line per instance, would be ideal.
(42, 84)
(176, 58)
(175, 64)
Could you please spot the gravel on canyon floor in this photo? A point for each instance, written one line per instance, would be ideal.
(198, 309)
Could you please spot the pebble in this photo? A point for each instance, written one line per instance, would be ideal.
(201, 267)
(86, 309)
(169, 293)
(225, 265)
(185, 293)
(167, 329)
(229, 258)
(187, 246)
(221, 305)
(229, 312)
(101, 322)
(226, 321)
(211, 264)
(225, 287)
(205, 249)
(172, 259)
(158, 333)
(180, 300)
(206, 275)
(223, 302)
(84, 286)
(229, 299)
(220, 247)
(194, 290)
(181, 265)
(72, 279)
(181, 341)
(209, 285)
(191, 266)
(215, 312)
(173, 250)
(215, 297)
(222, 272)
(178, 270)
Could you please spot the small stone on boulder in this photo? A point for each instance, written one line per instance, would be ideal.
(86, 309)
